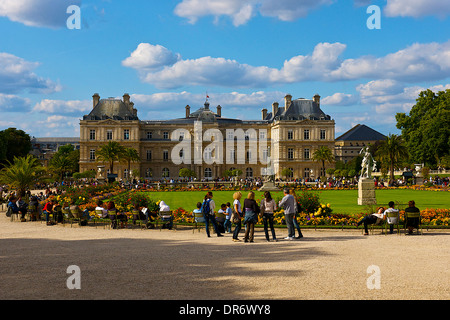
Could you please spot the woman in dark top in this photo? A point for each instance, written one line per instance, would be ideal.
(251, 210)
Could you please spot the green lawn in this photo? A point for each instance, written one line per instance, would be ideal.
(341, 201)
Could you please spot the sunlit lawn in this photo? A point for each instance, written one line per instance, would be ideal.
(341, 201)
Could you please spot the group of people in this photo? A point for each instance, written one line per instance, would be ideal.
(248, 212)
(237, 213)
(382, 214)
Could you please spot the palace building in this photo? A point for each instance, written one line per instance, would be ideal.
(285, 137)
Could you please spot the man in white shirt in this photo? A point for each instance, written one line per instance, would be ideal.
(100, 208)
(391, 220)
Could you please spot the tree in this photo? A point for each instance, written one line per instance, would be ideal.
(23, 173)
(286, 172)
(392, 151)
(236, 172)
(426, 130)
(129, 155)
(66, 160)
(186, 173)
(323, 154)
(110, 153)
(13, 143)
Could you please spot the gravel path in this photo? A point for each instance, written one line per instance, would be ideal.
(182, 264)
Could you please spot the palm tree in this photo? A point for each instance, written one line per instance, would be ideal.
(130, 155)
(110, 153)
(23, 173)
(392, 151)
(64, 162)
(323, 154)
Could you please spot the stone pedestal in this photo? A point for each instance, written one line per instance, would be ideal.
(366, 192)
(269, 186)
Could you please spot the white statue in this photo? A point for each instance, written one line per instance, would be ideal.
(368, 164)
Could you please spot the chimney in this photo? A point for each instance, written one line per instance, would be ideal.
(188, 111)
(219, 111)
(274, 109)
(126, 98)
(264, 114)
(134, 110)
(316, 99)
(287, 101)
(96, 99)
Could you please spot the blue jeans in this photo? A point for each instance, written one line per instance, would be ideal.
(209, 217)
(268, 222)
(297, 226)
(227, 225)
(237, 229)
(47, 215)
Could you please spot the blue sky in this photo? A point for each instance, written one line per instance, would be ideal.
(245, 53)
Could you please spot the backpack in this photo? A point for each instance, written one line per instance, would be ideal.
(205, 207)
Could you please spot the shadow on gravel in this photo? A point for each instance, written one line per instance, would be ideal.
(123, 269)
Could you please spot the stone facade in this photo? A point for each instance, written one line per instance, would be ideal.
(292, 133)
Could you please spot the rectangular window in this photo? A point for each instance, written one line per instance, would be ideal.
(149, 155)
(149, 135)
(92, 135)
(165, 135)
(126, 134)
(323, 134)
(262, 134)
(291, 153)
(290, 135)
(109, 135)
(306, 153)
(166, 155)
(306, 134)
(232, 156)
(265, 155)
(92, 154)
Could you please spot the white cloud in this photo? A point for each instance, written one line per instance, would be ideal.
(375, 90)
(149, 57)
(63, 107)
(418, 62)
(16, 75)
(57, 126)
(390, 97)
(168, 105)
(417, 8)
(37, 13)
(13, 103)
(230, 73)
(340, 99)
(241, 11)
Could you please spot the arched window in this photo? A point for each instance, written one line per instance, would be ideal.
(148, 173)
(165, 173)
(249, 172)
(208, 173)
